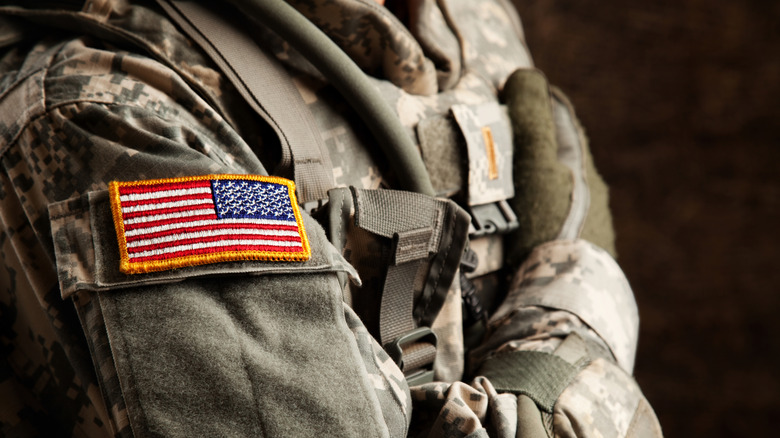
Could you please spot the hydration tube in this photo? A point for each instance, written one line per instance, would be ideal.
(342, 72)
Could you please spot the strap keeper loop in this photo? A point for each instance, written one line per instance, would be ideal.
(422, 369)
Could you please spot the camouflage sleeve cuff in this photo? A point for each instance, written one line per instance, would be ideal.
(578, 277)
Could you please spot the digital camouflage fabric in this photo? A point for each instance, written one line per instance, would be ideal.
(113, 90)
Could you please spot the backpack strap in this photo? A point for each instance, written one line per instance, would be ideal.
(267, 88)
(422, 240)
(391, 135)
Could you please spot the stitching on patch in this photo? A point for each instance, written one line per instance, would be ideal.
(163, 224)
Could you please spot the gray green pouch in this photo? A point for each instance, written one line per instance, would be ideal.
(244, 348)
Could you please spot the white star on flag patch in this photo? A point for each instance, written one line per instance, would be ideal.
(170, 223)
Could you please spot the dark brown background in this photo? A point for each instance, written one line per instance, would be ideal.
(681, 100)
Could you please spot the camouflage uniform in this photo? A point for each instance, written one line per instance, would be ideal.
(117, 92)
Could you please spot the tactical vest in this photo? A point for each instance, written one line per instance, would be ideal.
(445, 136)
(409, 244)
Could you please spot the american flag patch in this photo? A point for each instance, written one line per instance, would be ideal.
(170, 223)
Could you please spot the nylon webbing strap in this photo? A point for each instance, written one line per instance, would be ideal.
(397, 308)
(268, 89)
(410, 220)
(540, 376)
(418, 355)
(425, 232)
(348, 78)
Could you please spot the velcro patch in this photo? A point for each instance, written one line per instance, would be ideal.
(170, 223)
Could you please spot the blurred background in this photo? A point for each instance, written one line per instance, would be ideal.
(681, 101)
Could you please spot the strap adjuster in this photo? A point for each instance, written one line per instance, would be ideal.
(421, 373)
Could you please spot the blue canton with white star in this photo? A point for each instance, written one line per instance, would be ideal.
(249, 199)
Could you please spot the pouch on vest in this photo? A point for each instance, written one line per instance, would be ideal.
(469, 155)
(266, 348)
(407, 248)
(482, 133)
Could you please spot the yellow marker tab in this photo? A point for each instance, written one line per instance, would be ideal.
(490, 147)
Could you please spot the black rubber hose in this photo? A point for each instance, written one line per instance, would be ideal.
(350, 81)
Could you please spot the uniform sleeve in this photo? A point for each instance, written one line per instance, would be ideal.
(560, 349)
(243, 348)
(570, 306)
(566, 333)
(558, 357)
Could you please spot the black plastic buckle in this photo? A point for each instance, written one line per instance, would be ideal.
(493, 218)
(396, 352)
(313, 206)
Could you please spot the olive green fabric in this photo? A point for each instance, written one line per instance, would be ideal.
(597, 224)
(390, 212)
(226, 354)
(541, 376)
(443, 148)
(598, 227)
(543, 185)
(258, 343)
(529, 419)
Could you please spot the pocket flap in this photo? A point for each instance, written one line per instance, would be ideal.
(87, 251)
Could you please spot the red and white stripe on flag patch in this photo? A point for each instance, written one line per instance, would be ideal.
(170, 223)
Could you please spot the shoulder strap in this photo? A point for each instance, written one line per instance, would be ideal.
(420, 238)
(391, 135)
(268, 89)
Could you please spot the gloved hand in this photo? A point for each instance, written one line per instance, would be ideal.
(558, 193)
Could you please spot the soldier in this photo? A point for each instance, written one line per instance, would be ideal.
(433, 255)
